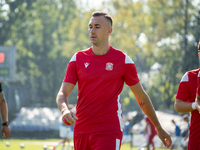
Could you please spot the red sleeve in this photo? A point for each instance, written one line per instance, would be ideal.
(130, 74)
(183, 91)
(71, 73)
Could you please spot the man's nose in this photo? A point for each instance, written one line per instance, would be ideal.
(92, 30)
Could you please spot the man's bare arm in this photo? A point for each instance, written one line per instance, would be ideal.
(5, 131)
(62, 102)
(182, 106)
(146, 105)
(3, 108)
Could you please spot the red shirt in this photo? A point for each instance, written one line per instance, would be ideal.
(100, 81)
(187, 92)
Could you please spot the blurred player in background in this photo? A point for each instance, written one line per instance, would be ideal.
(150, 133)
(185, 102)
(184, 141)
(101, 72)
(65, 132)
(178, 137)
(128, 132)
(5, 130)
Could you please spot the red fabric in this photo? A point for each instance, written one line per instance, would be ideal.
(107, 140)
(187, 87)
(193, 145)
(100, 81)
(187, 92)
(151, 129)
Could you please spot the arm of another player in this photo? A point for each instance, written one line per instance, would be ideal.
(197, 100)
(62, 102)
(4, 116)
(182, 106)
(145, 104)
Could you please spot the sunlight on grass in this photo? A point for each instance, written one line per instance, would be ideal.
(34, 144)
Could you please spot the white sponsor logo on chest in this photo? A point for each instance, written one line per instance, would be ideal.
(86, 64)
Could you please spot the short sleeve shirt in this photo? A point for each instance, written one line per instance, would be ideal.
(100, 81)
(187, 92)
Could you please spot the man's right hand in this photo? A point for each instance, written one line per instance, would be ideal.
(68, 117)
(5, 131)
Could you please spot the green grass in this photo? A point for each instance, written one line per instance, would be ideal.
(33, 144)
(29, 144)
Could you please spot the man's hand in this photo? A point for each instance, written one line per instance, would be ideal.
(68, 117)
(5, 131)
(164, 136)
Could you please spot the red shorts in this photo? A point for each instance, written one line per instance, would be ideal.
(193, 145)
(106, 140)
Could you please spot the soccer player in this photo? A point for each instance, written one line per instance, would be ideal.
(127, 132)
(184, 141)
(185, 102)
(150, 133)
(177, 140)
(5, 131)
(100, 72)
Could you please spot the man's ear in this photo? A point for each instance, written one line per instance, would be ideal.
(109, 30)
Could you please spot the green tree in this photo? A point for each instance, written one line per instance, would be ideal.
(39, 34)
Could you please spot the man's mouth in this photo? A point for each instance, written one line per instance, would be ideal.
(93, 37)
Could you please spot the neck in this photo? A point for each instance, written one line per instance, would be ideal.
(100, 50)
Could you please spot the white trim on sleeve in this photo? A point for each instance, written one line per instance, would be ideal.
(199, 74)
(185, 78)
(73, 58)
(128, 60)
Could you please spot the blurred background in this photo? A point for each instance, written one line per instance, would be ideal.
(39, 37)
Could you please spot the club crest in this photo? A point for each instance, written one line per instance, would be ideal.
(109, 66)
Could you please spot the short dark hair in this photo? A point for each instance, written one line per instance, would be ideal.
(100, 13)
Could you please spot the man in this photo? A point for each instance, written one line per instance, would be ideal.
(184, 141)
(185, 102)
(177, 140)
(151, 132)
(5, 131)
(101, 71)
(127, 132)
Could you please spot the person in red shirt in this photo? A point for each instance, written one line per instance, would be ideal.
(100, 72)
(5, 131)
(185, 102)
(150, 133)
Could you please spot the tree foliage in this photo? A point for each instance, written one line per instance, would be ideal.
(160, 36)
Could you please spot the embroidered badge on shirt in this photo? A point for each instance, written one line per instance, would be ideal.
(109, 66)
(86, 64)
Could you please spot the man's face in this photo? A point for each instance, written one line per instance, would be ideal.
(99, 30)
